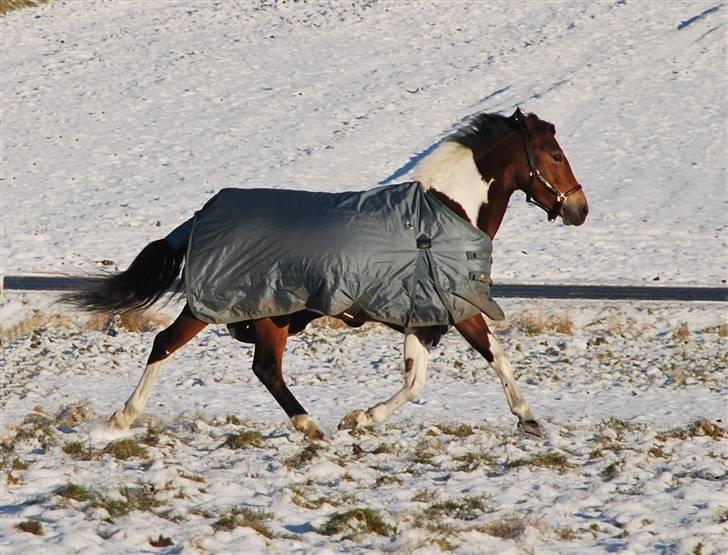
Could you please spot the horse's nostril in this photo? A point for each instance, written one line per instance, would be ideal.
(585, 209)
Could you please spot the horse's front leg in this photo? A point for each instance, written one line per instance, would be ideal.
(415, 370)
(476, 332)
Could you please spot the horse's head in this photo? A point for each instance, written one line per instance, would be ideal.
(545, 174)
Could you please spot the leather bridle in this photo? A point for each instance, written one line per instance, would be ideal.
(535, 175)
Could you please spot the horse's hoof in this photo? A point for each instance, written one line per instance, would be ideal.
(531, 427)
(303, 423)
(118, 421)
(355, 420)
(314, 435)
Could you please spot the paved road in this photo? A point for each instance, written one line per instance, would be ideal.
(502, 290)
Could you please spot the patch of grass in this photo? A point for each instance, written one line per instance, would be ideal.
(73, 491)
(611, 471)
(38, 322)
(722, 515)
(465, 508)
(723, 330)
(143, 498)
(40, 430)
(384, 448)
(7, 6)
(136, 321)
(425, 496)
(697, 428)
(244, 440)
(192, 477)
(246, 518)
(301, 497)
(621, 427)
(472, 461)
(508, 529)
(537, 323)
(357, 522)
(234, 420)
(125, 449)
(553, 460)
(566, 534)
(31, 526)
(657, 452)
(19, 464)
(444, 534)
(457, 430)
(385, 479)
(303, 457)
(612, 435)
(161, 541)
(681, 332)
(78, 450)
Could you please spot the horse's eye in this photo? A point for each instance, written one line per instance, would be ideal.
(558, 157)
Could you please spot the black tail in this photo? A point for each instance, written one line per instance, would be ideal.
(150, 276)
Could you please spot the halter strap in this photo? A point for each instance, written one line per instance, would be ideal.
(535, 175)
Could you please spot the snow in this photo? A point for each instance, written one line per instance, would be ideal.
(120, 119)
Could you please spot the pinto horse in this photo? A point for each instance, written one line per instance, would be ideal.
(473, 172)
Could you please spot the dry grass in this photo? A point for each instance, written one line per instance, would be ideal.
(244, 440)
(303, 457)
(508, 529)
(355, 523)
(78, 450)
(698, 428)
(31, 526)
(465, 508)
(7, 6)
(682, 331)
(459, 430)
(537, 322)
(124, 449)
(246, 518)
(39, 322)
(75, 492)
(553, 460)
(723, 330)
(136, 321)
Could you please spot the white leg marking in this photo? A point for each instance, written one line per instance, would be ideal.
(502, 367)
(304, 423)
(135, 404)
(414, 380)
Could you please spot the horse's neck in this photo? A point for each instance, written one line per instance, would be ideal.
(451, 174)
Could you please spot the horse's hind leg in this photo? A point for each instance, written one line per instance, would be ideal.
(476, 332)
(184, 328)
(416, 356)
(271, 335)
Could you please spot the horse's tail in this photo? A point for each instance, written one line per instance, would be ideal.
(151, 274)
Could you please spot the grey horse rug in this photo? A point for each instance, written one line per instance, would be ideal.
(393, 254)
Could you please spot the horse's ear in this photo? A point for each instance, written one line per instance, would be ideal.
(517, 115)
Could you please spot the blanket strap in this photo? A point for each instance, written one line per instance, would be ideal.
(426, 263)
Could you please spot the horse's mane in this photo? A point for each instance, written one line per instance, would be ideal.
(453, 157)
(480, 130)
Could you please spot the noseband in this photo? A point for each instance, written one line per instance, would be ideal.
(535, 175)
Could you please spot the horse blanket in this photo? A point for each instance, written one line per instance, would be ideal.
(393, 254)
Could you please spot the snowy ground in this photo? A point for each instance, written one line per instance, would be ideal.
(121, 118)
(633, 401)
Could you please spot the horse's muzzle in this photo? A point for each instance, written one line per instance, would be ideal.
(575, 210)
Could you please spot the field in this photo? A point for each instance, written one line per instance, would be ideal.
(120, 119)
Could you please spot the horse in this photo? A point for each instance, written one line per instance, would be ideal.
(473, 172)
